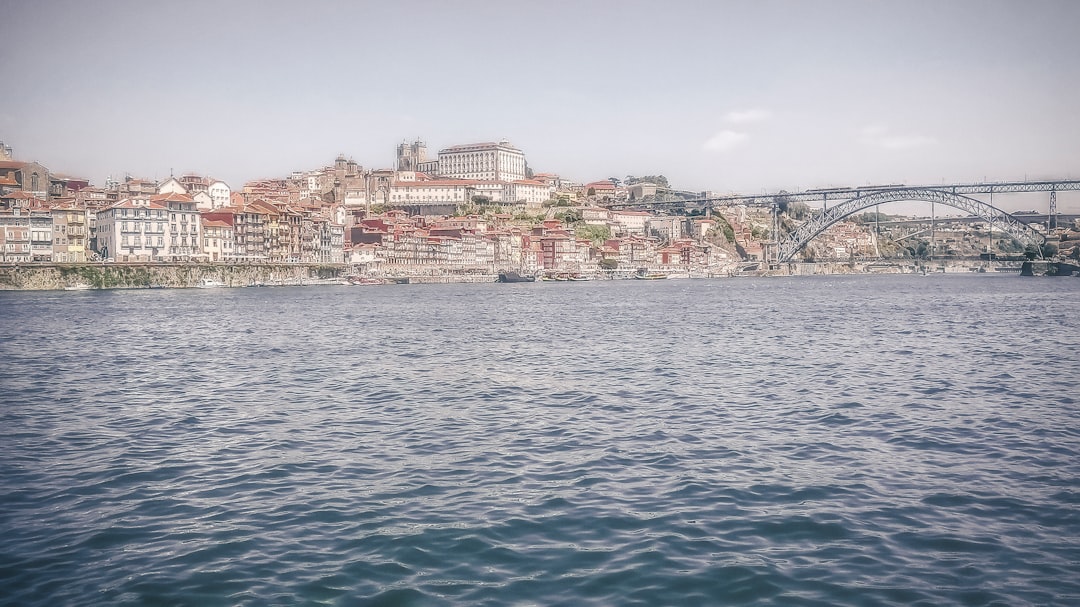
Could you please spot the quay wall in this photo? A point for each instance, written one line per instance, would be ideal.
(32, 277)
(902, 267)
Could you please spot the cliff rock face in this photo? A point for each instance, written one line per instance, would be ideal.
(140, 276)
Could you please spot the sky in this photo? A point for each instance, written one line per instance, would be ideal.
(726, 96)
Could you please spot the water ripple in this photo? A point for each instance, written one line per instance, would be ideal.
(807, 441)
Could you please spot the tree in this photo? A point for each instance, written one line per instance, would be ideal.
(597, 234)
(569, 216)
(1031, 252)
(659, 180)
(609, 264)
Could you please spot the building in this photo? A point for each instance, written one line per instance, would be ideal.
(483, 161)
(70, 233)
(184, 240)
(219, 242)
(411, 155)
(26, 236)
(29, 177)
(134, 229)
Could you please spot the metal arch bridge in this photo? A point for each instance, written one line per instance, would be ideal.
(853, 200)
(810, 229)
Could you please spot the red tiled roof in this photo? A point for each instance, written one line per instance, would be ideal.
(172, 197)
(20, 195)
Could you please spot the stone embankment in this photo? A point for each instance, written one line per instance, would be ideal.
(902, 267)
(141, 276)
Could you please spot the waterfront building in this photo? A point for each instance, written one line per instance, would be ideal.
(134, 229)
(330, 242)
(219, 242)
(631, 251)
(184, 241)
(25, 236)
(70, 234)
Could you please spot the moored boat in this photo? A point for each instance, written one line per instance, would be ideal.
(364, 281)
(514, 277)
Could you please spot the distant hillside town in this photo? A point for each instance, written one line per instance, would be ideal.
(470, 208)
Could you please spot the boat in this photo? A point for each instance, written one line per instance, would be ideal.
(514, 277)
(651, 276)
(364, 281)
(210, 283)
(78, 287)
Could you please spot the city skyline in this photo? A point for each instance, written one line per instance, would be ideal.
(724, 97)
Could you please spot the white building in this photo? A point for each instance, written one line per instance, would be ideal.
(630, 222)
(219, 240)
(434, 191)
(133, 229)
(484, 161)
(533, 193)
(220, 193)
(185, 226)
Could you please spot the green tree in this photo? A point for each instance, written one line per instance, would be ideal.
(569, 216)
(609, 264)
(659, 180)
(725, 227)
(596, 234)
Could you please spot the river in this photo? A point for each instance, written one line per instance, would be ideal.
(859, 440)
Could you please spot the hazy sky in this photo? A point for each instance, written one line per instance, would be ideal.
(745, 96)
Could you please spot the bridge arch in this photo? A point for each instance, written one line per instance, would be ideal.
(798, 239)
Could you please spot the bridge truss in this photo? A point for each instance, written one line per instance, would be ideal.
(811, 228)
(838, 203)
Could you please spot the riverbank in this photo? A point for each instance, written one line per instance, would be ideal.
(35, 277)
(44, 277)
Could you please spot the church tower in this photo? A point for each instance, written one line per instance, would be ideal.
(410, 155)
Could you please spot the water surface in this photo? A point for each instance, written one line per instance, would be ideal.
(871, 440)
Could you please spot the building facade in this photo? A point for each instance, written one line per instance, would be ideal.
(484, 161)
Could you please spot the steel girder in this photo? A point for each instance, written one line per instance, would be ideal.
(831, 195)
(787, 248)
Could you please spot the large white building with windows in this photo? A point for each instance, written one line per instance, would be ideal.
(133, 229)
(483, 161)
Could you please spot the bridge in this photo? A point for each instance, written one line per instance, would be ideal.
(847, 201)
